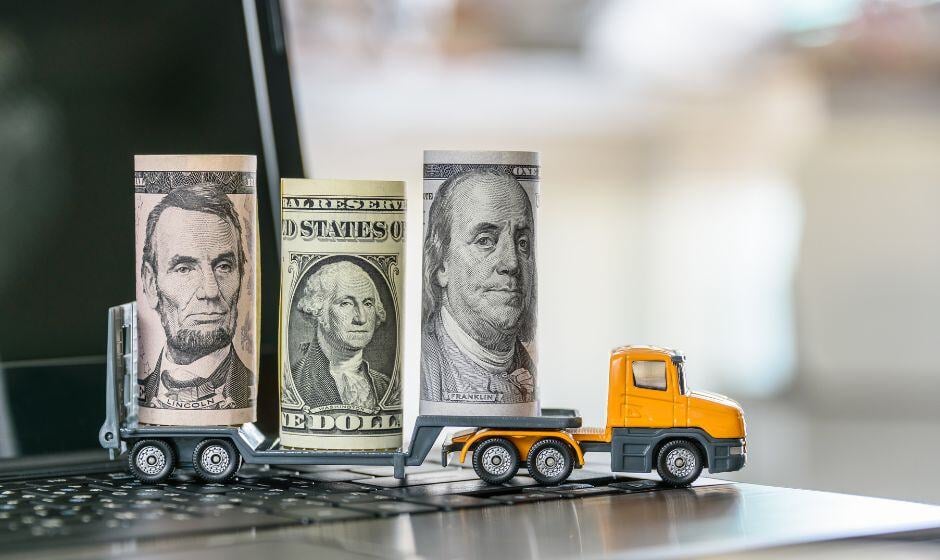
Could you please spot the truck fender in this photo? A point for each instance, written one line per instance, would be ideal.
(697, 440)
(523, 440)
(634, 449)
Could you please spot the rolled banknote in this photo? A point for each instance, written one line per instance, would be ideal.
(341, 308)
(478, 345)
(197, 311)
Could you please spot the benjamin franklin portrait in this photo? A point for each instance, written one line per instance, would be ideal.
(479, 291)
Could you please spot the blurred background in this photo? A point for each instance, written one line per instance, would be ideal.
(752, 182)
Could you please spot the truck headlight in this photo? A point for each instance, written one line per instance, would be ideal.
(737, 450)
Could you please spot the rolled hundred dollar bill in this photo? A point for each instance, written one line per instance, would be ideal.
(197, 293)
(341, 306)
(478, 346)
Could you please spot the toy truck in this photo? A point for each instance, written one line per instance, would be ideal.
(653, 421)
(651, 418)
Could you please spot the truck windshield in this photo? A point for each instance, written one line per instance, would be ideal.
(679, 367)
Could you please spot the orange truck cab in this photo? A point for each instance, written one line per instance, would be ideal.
(653, 421)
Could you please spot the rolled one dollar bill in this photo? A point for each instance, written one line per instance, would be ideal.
(197, 311)
(478, 343)
(341, 309)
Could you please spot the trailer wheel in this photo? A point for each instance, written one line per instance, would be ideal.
(496, 460)
(550, 461)
(679, 462)
(216, 460)
(152, 460)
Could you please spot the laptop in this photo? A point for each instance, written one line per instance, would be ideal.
(84, 87)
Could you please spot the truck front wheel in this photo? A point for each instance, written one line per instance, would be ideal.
(550, 461)
(679, 462)
(496, 460)
(216, 460)
(152, 460)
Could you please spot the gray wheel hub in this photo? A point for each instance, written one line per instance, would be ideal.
(680, 462)
(150, 460)
(215, 459)
(550, 462)
(496, 460)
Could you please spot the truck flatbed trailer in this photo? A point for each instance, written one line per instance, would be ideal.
(256, 448)
(216, 452)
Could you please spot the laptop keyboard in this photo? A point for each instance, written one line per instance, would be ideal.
(115, 506)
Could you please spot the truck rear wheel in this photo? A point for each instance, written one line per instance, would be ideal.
(679, 462)
(550, 461)
(216, 460)
(496, 460)
(152, 460)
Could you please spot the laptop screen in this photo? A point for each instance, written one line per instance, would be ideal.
(83, 87)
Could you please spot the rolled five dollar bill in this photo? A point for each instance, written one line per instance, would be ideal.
(198, 305)
(341, 308)
(478, 339)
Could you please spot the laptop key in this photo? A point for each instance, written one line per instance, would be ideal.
(390, 471)
(527, 497)
(182, 477)
(571, 490)
(559, 488)
(46, 503)
(48, 481)
(82, 497)
(110, 476)
(145, 504)
(328, 487)
(473, 487)
(388, 508)
(151, 493)
(586, 492)
(109, 485)
(265, 494)
(280, 481)
(450, 502)
(51, 493)
(333, 476)
(319, 514)
(640, 485)
(354, 497)
(418, 479)
(522, 481)
(290, 503)
(201, 488)
(593, 477)
(212, 499)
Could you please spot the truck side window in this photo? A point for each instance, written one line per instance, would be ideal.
(649, 374)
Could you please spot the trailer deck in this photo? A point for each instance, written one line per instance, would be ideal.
(256, 448)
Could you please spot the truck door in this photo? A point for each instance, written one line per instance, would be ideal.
(649, 396)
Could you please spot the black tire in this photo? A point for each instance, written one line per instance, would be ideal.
(679, 462)
(496, 460)
(152, 460)
(216, 460)
(550, 461)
